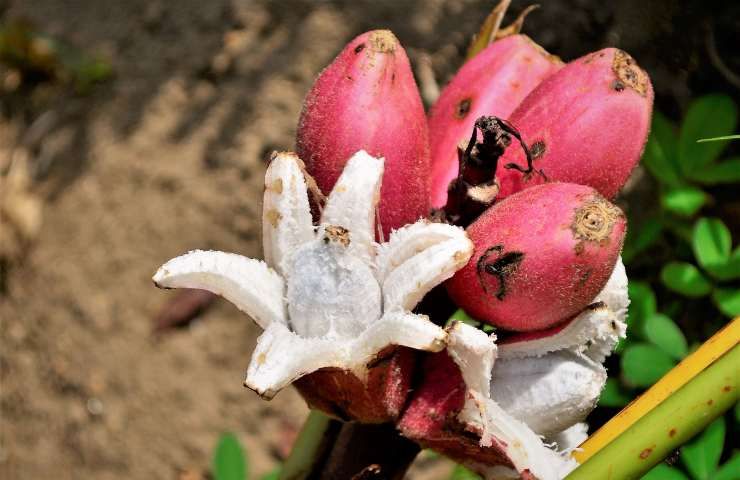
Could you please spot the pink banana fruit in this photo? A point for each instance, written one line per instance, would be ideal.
(586, 124)
(494, 82)
(367, 99)
(541, 256)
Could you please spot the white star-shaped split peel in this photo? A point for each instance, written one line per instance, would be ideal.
(327, 295)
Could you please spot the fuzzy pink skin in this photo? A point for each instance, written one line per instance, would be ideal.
(562, 268)
(367, 99)
(495, 81)
(594, 126)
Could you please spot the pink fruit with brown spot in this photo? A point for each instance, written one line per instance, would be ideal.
(541, 256)
(367, 99)
(586, 124)
(494, 82)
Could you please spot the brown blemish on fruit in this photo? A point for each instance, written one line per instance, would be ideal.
(359, 48)
(672, 432)
(617, 86)
(383, 41)
(629, 73)
(261, 358)
(501, 266)
(336, 234)
(583, 276)
(593, 221)
(710, 402)
(273, 216)
(538, 149)
(277, 186)
(463, 107)
(646, 453)
(726, 388)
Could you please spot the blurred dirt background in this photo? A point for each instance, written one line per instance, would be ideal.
(168, 155)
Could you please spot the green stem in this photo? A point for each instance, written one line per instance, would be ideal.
(319, 432)
(669, 425)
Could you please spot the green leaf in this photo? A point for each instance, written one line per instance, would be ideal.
(684, 201)
(662, 332)
(727, 300)
(612, 395)
(229, 461)
(663, 472)
(462, 473)
(728, 270)
(701, 456)
(461, 315)
(685, 279)
(641, 238)
(642, 306)
(710, 116)
(660, 155)
(712, 242)
(726, 171)
(644, 364)
(715, 139)
(730, 470)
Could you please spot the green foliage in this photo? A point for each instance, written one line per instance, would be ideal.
(229, 460)
(701, 457)
(709, 116)
(644, 364)
(661, 152)
(684, 268)
(726, 172)
(730, 470)
(712, 242)
(684, 201)
(686, 279)
(684, 164)
(664, 472)
(727, 300)
(665, 334)
(642, 305)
